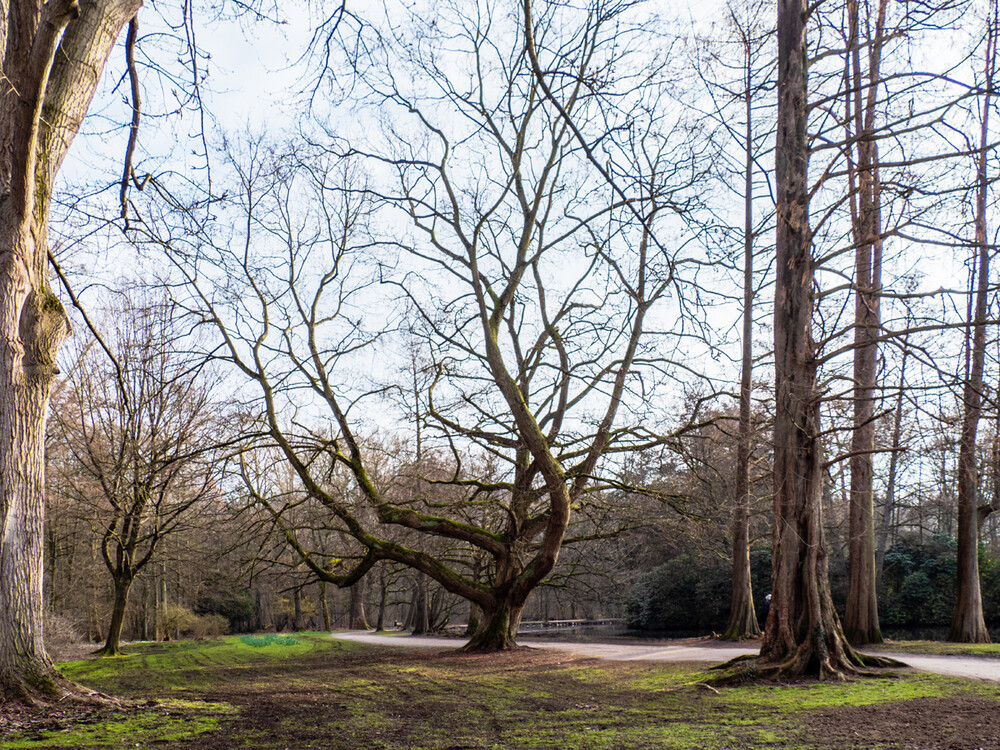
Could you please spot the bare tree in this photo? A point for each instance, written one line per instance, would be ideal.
(533, 288)
(753, 37)
(803, 633)
(967, 624)
(865, 35)
(140, 431)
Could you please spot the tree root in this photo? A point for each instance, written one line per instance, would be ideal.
(749, 668)
(53, 689)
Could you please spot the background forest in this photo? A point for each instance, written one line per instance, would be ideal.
(479, 329)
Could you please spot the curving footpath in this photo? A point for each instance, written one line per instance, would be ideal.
(983, 668)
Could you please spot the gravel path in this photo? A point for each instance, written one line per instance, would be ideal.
(957, 666)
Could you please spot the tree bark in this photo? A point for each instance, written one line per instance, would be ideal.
(419, 616)
(53, 56)
(861, 623)
(889, 504)
(742, 618)
(498, 629)
(358, 619)
(324, 604)
(112, 646)
(803, 633)
(967, 623)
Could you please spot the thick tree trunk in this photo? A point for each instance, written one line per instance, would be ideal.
(498, 630)
(296, 624)
(54, 53)
(474, 621)
(112, 646)
(803, 634)
(419, 615)
(25, 668)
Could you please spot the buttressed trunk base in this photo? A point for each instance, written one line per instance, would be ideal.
(498, 630)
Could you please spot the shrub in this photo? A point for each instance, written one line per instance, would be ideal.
(686, 593)
(208, 626)
(62, 639)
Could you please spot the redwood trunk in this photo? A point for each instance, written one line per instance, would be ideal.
(803, 634)
(967, 623)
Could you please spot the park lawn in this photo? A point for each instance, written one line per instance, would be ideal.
(939, 648)
(310, 691)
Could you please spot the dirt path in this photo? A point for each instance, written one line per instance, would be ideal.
(711, 651)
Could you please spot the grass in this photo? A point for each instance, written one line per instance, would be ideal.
(312, 691)
(940, 648)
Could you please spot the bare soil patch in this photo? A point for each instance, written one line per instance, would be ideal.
(961, 723)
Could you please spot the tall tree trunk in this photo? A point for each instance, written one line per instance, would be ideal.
(296, 623)
(967, 623)
(383, 600)
(160, 602)
(358, 619)
(54, 53)
(803, 633)
(420, 617)
(861, 618)
(742, 618)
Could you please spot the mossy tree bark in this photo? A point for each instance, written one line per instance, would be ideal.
(54, 53)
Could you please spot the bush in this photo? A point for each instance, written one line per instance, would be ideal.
(62, 639)
(208, 626)
(918, 583)
(692, 593)
(686, 593)
(177, 619)
(180, 621)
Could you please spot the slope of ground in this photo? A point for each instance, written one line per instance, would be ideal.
(309, 691)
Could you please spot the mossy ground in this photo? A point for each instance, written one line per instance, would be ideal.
(319, 693)
(938, 648)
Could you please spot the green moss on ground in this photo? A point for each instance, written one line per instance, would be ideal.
(170, 722)
(320, 693)
(938, 648)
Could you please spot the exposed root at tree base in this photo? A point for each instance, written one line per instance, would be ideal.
(750, 668)
(473, 649)
(57, 691)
